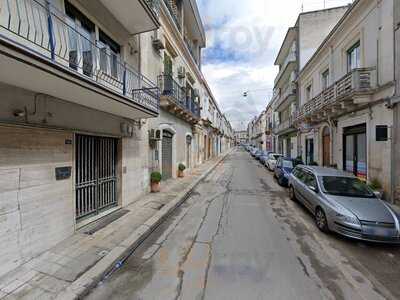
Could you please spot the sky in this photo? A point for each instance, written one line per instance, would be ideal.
(243, 39)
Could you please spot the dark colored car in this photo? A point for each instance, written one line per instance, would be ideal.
(283, 169)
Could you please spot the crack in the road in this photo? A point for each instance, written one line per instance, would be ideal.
(225, 184)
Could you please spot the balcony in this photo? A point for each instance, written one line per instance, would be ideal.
(284, 127)
(174, 99)
(345, 95)
(285, 98)
(288, 66)
(42, 50)
(190, 47)
(173, 11)
(137, 16)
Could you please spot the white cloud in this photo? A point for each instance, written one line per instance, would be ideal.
(247, 36)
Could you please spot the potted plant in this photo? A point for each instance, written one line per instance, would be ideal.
(181, 170)
(298, 161)
(155, 179)
(376, 186)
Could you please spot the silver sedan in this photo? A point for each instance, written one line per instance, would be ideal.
(342, 203)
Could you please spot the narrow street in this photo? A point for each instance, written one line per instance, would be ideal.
(238, 236)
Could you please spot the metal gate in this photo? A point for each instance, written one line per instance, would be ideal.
(96, 179)
(167, 155)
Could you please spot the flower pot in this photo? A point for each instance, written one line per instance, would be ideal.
(155, 187)
(181, 174)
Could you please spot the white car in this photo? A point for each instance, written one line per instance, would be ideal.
(270, 163)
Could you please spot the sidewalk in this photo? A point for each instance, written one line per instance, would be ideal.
(74, 266)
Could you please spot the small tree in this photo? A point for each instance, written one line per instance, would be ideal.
(181, 167)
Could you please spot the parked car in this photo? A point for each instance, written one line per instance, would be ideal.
(258, 154)
(253, 151)
(284, 167)
(264, 156)
(344, 204)
(271, 161)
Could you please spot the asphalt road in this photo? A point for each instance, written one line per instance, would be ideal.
(238, 236)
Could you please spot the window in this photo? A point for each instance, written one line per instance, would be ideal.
(80, 37)
(299, 173)
(325, 79)
(310, 180)
(109, 55)
(308, 92)
(353, 57)
(346, 186)
(381, 133)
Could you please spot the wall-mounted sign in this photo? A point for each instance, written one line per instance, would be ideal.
(63, 173)
(68, 142)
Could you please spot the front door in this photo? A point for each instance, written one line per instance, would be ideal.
(96, 175)
(167, 155)
(355, 153)
(326, 147)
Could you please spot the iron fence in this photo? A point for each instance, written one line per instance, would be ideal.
(169, 87)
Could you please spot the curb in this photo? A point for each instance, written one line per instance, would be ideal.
(114, 259)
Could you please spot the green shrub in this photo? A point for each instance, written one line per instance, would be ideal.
(375, 184)
(155, 177)
(181, 167)
(298, 161)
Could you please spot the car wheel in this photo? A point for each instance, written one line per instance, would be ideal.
(292, 194)
(280, 181)
(320, 220)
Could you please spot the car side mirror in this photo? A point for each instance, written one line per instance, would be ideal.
(378, 194)
(313, 188)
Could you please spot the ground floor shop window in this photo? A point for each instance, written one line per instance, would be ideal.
(355, 151)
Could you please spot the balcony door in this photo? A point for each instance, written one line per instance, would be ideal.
(81, 41)
(168, 75)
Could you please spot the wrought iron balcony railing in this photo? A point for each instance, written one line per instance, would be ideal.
(173, 14)
(155, 6)
(169, 87)
(42, 29)
(360, 80)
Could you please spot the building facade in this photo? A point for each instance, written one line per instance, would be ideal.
(299, 44)
(345, 89)
(95, 96)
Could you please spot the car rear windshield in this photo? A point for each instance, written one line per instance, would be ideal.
(287, 163)
(346, 186)
(276, 156)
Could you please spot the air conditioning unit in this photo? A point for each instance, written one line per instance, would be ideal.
(155, 135)
(157, 42)
(181, 72)
(158, 45)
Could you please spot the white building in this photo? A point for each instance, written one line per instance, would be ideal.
(299, 44)
(73, 116)
(344, 90)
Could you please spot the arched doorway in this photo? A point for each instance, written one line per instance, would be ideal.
(326, 147)
(167, 140)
